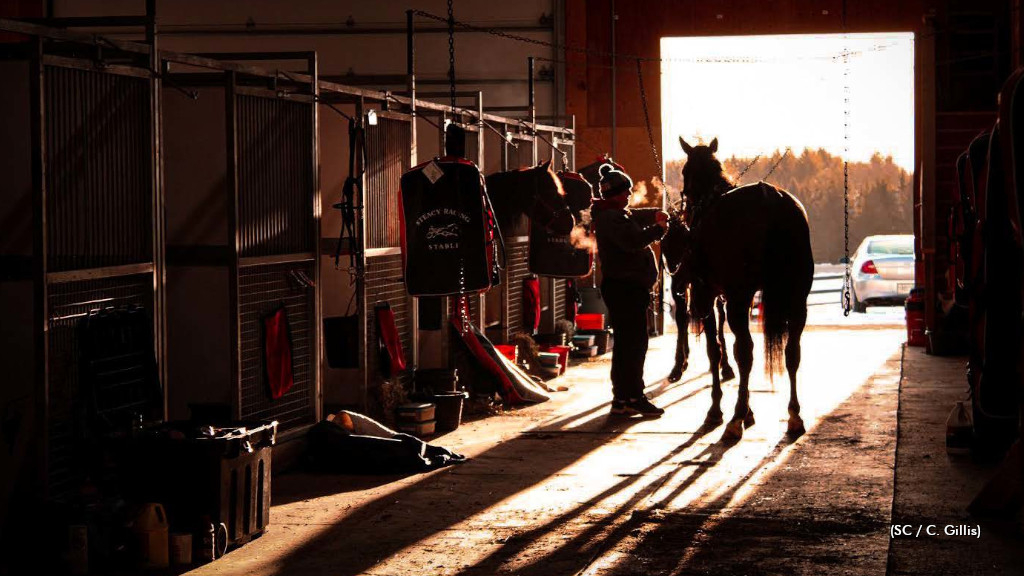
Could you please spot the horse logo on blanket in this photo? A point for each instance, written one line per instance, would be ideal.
(447, 231)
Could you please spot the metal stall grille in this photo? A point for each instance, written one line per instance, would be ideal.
(388, 153)
(384, 284)
(99, 177)
(69, 303)
(276, 239)
(275, 180)
(262, 290)
(517, 269)
(98, 198)
(558, 298)
(388, 156)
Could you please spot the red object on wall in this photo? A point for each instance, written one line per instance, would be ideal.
(277, 352)
(531, 304)
(915, 318)
(393, 355)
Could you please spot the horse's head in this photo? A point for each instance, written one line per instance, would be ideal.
(675, 245)
(548, 206)
(702, 172)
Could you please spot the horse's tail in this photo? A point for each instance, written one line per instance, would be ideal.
(788, 271)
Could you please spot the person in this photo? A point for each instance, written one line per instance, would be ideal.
(629, 271)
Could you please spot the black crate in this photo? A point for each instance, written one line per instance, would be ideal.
(224, 479)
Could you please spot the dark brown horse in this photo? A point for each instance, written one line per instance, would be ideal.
(742, 240)
(535, 192)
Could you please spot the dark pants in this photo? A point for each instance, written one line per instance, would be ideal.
(627, 310)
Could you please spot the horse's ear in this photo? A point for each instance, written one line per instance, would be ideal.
(686, 147)
(713, 146)
(546, 165)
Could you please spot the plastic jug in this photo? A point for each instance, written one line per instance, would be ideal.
(959, 430)
(151, 538)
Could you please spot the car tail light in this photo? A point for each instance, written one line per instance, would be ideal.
(868, 268)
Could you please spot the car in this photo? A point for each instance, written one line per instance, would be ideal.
(882, 271)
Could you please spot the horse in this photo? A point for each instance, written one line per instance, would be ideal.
(536, 192)
(750, 238)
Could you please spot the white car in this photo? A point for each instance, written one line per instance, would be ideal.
(883, 271)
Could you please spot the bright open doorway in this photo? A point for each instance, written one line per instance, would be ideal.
(790, 109)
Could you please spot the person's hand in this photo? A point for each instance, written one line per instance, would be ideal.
(661, 219)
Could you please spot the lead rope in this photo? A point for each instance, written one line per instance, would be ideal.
(656, 302)
(848, 275)
(647, 120)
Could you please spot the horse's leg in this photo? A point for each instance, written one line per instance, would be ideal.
(727, 373)
(714, 417)
(682, 317)
(743, 351)
(796, 327)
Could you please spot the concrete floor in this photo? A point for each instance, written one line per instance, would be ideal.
(561, 488)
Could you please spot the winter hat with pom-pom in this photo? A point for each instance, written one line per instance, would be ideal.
(613, 181)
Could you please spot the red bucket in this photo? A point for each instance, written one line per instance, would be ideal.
(590, 321)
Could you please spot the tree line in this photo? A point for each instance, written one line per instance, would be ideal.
(880, 195)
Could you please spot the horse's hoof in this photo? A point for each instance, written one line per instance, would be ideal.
(795, 428)
(733, 430)
(676, 373)
(748, 420)
(727, 373)
(713, 419)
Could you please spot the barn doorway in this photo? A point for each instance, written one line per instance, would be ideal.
(789, 109)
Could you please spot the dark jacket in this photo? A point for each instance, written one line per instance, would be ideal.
(623, 246)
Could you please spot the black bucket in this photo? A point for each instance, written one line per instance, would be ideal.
(436, 380)
(449, 410)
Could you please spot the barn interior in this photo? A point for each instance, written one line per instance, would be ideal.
(252, 325)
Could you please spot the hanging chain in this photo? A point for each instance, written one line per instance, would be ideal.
(847, 276)
(647, 119)
(749, 166)
(451, 54)
(777, 164)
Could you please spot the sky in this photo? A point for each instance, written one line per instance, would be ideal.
(757, 94)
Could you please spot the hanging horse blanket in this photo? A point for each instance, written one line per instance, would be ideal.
(448, 229)
(392, 356)
(277, 352)
(557, 255)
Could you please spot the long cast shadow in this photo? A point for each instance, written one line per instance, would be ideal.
(446, 497)
(735, 553)
(574, 551)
